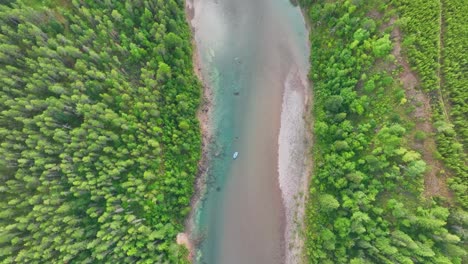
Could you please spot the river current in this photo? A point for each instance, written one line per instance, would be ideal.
(247, 49)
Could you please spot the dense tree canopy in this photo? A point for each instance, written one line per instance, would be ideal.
(366, 203)
(436, 40)
(99, 140)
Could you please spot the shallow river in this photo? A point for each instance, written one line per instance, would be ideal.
(247, 50)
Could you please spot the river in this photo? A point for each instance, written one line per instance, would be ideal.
(254, 57)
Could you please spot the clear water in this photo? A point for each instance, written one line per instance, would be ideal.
(246, 47)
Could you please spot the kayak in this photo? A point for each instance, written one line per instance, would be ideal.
(234, 156)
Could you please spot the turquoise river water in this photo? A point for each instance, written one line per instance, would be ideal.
(246, 50)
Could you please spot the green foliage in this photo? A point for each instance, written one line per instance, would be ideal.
(97, 111)
(455, 69)
(435, 40)
(420, 23)
(366, 203)
(420, 136)
(328, 203)
(382, 46)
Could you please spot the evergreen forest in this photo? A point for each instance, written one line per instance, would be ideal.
(99, 141)
(371, 199)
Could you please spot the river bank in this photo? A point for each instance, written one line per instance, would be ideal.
(295, 149)
(204, 114)
(293, 168)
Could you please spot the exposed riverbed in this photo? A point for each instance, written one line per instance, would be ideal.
(253, 56)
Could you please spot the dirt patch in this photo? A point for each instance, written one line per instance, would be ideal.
(183, 239)
(435, 180)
